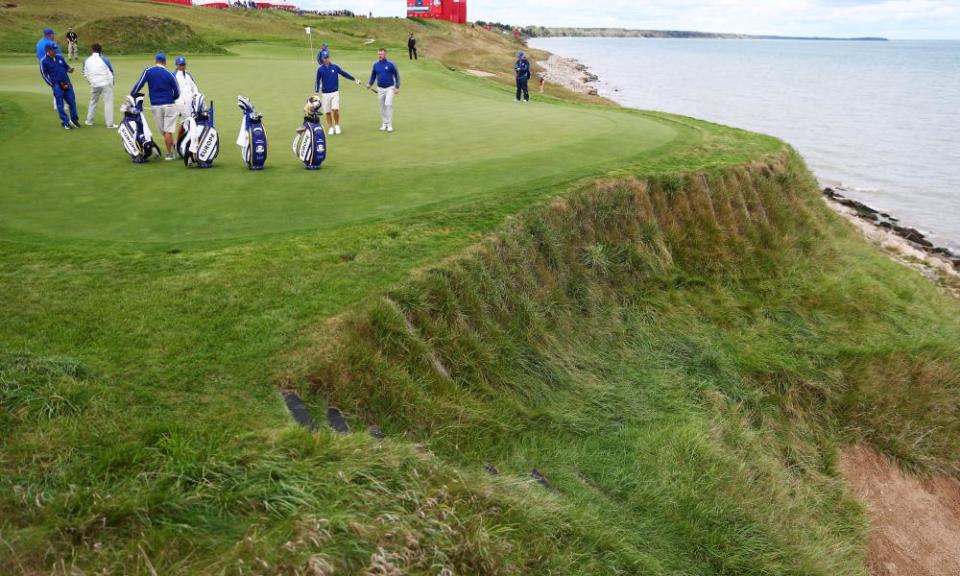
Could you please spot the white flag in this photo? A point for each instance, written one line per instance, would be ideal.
(307, 28)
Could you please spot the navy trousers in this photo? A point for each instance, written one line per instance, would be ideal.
(523, 89)
(70, 98)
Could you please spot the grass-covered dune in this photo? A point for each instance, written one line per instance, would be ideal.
(657, 314)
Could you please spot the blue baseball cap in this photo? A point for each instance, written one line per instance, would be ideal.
(519, 54)
(160, 57)
(181, 60)
(324, 54)
(50, 46)
(47, 31)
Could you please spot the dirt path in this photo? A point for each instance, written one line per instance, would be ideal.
(915, 524)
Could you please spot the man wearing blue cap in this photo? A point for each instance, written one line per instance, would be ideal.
(188, 87)
(328, 81)
(323, 54)
(164, 92)
(522, 70)
(48, 37)
(56, 73)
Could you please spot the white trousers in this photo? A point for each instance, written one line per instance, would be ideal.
(385, 95)
(105, 92)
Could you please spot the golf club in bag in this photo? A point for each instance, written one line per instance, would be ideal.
(135, 132)
(199, 142)
(310, 143)
(252, 139)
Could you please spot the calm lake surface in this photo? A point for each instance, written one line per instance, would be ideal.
(880, 117)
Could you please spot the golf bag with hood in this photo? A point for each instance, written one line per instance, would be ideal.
(310, 143)
(199, 142)
(252, 139)
(135, 132)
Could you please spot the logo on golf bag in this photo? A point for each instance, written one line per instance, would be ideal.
(199, 142)
(252, 138)
(310, 143)
(134, 131)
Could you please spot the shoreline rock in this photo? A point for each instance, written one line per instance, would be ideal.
(569, 73)
(905, 244)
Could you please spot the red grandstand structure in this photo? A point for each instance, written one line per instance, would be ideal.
(450, 10)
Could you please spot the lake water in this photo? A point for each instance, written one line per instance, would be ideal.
(880, 117)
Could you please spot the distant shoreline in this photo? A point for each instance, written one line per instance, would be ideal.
(561, 32)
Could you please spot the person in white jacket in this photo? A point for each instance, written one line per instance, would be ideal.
(99, 73)
(188, 87)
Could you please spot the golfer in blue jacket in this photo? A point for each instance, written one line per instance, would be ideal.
(164, 92)
(56, 73)
(328, 83)
(522, 70)
(387, 77)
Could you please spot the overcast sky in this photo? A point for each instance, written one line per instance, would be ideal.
(891, 18)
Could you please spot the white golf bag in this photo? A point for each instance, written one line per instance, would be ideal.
(199, 142)
(252, 139)
(135, 132)
(310, 143)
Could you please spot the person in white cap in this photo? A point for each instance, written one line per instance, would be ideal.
(99, 73)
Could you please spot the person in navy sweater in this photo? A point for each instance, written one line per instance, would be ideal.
(47, 38)
(387, 77)
(328, 82)
(164, 92)
(56, 73)
(522, 70)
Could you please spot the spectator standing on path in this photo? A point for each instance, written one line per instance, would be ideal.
(56, 73)
(71, 44)
(328, 81)
(387, 77)
(164, 92)
(522, 69)
(99, 73)
(412, 47)
(188, 87)
(543, 80)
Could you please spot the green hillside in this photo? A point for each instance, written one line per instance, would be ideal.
(657, 314)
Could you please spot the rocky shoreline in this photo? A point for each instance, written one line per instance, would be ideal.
(569, 73)
(904, 243)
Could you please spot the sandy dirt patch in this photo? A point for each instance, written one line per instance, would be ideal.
(915, 523)
(480, 73)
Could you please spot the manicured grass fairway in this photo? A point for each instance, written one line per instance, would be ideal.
(457, 138)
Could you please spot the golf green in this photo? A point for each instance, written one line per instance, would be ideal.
(457, 137)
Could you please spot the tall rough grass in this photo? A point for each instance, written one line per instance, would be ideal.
(682, 354)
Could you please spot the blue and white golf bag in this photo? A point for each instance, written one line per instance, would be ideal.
(252, 139)
(135, 132)
(310, 143)
(199, 142)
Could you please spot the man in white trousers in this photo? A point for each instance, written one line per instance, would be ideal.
(387, 77)
(99, 73)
